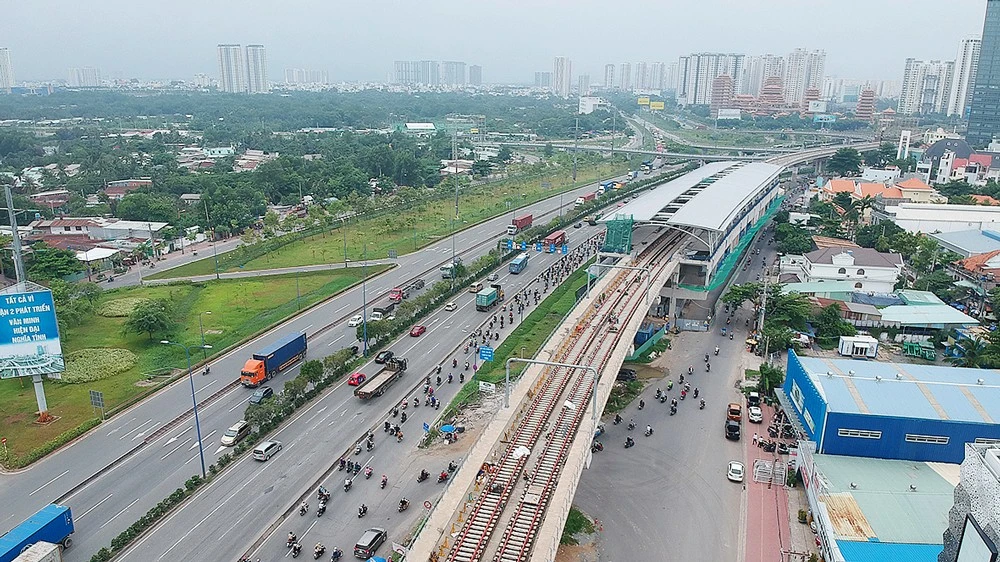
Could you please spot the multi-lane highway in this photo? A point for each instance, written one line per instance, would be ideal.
(156, 461)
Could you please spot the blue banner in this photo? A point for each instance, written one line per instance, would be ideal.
(486, 353)
(29, 336)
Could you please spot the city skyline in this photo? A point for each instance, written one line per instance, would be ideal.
(173, 49)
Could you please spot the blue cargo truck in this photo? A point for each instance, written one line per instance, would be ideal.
(53, 523)
(273, 359)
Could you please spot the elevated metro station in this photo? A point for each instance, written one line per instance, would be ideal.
(718, 208)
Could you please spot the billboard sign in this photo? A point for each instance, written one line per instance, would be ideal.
(725, 114)
(656, 105)
(824, 118)
(29, 336)
(644, 101)
(817, 107)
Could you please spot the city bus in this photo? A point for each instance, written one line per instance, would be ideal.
(518, 264)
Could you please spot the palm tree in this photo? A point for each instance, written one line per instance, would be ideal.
(973, 354)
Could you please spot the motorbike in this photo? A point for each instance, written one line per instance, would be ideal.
(642, 404)
(342, 464)
(357, 467)
(708, 367)
(416, 402)
(663, 399)
(395, 412)
(322, 494)
(454, 363)
(461, 377)
(384, 481)
(439, 380)
(336, 554)
(321, 509)
(303, 509)
(658, 394)
(695, 392)
(442, 477)
(706, 358)
(716, 350)
(673, 410)
(596, 446)
(362, 511)
(357, 449)
(403, 504)
(422, 476)
(466, 365)
(629, 442)
(386, 427)
(368, 472)
(730, 337)
(702, 405)
(292, 541)
(631, 426)
(296, 550)
(683, 394)
(318, 551)
(670, 385)
(347, 484)
(369, 446)
(452, 467)
(618, 419)
(450, 378)
(438, 370)
(649, 431)
(783, 448)
(402, 418)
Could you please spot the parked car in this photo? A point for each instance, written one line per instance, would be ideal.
(261, 394)
(357, 379)
(383, 356)
(736, 471)
(626, 375)
(355, 321)
(732, 430)
(734, 412)
(755, 415)
(417, 330)
(450, 307)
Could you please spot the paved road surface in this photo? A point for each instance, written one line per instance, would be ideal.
(116, 499)
(227, 517)
(679, 474)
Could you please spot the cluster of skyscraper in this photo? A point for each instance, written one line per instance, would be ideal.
(434, 73)
(243, 71)
(940, 86)
(306, 76)
(6, 71)
(799, 71)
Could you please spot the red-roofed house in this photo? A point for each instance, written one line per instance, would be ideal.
(985, 200)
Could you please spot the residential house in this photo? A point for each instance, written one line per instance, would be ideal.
(869, 270)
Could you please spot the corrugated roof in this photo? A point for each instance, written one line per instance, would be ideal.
(919, 298)
(855, 551)
(823, 287)
(882, 507)
(970, 242)
(927, 316)
(863, 257)
(646, 206)
(714, 206)
(923, 392)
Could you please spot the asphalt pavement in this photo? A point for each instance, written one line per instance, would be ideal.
(668, 497)
(157, 461)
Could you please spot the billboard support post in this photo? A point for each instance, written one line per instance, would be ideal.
(43, 406)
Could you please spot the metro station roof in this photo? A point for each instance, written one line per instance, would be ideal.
(729, 185)
(646, 206)
(712, 208)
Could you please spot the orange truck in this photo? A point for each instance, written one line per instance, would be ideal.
(263, 365)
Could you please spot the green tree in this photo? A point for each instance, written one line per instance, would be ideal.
(548, 151)
(771, 377)
(312, 371)
(973, 354)
(830, 325)
(47, 263)
(148, 207)
(481, 168)
(844, 162)
(149, 317)
(295, 387)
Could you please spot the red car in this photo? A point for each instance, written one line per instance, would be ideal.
(356, 379)
(417, 330)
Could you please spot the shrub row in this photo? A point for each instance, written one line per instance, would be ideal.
(12, 461)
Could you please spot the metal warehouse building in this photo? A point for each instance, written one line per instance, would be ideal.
(892, 410)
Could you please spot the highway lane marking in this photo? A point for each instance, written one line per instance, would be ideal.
(49, 482)
(206, 386)
(312, 417)
(119, 513)
(304, 330)
(115, 430)
(141, 433)
(336, 340)
(241, 404)
(175, 448)
(193, 445)
(248, 512)
(178, 436)
(84, 514)
(136, 429)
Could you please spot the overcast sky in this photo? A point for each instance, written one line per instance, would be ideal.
(358, 40)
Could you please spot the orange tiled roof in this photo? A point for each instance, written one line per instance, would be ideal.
(975, 263)
(913, 183)
(869, 189)
(840, 186)
(985, 200)
(984, 160)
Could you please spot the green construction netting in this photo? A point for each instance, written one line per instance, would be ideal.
(730, 262)
(618, 239)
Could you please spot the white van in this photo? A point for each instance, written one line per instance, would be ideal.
(266, 450)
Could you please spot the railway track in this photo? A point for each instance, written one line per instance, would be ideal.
(547, 427)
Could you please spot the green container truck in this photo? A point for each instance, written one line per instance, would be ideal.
(487, 299)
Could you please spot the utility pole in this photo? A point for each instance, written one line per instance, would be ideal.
(576, 134)
(614, 115)
(15, 240)
(454, 222)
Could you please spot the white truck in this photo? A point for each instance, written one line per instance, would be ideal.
(41, 551)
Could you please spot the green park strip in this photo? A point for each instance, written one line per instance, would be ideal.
(526, 340)
(129, 366)
(402, 230)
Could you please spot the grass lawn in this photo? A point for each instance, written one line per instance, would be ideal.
(239, 307)
(417, 227)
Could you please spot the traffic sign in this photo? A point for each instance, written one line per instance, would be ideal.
(538, 246)
(486, 353)
(427, 427)
(487, 387)
(524, 246)
(552, 248)
(393, 254)
(565, 249)
(510, 244)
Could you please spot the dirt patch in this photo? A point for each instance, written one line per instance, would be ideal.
(577, 553)
(475, 418)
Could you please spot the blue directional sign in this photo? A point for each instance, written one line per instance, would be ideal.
(29, 336)
(427, 427)
(565, 248)
(538, 246)
(552, 248)
(486, 353)
(510, 244)
(524, 246)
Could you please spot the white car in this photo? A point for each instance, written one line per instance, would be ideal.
(450, 307)
(755, 415)
(355, 321)
(735, 472)
(493, 277)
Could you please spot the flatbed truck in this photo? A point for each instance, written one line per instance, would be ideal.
(376, 385)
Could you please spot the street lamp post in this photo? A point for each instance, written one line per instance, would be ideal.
(344, 228)
(215, 251)
(194, 400)
(364, 302)
(201, 327)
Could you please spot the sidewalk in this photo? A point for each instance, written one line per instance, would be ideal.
(768, 530)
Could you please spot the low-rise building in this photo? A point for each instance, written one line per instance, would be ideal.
(118, 189)
(97, 228)
(868, 269)
(934, 217)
